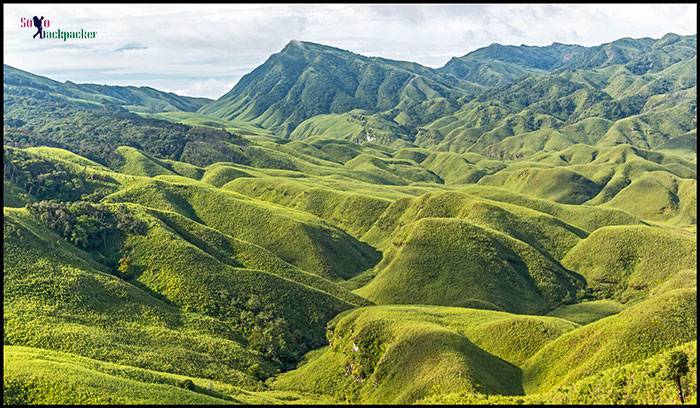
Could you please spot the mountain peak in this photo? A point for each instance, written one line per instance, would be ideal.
(306, 46)
(294, 44)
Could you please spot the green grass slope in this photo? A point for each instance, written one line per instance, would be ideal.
(219, 174)
(352, 212)
(687, 278)
(659, 196)
(399, 354)
(188, 273)
(36, 376)
(40, 376)
(134, 162)
(452, 262)
(636, 333)
(587, 312)
(626, 262)
(634, 383)
(57, 297)
(684, 145)
(586, 217)
(394, 170)
(13, 196)
(238, 253)
(558, 184)
(357, 126)
(456, 168)
(548, 234)
(298, 238)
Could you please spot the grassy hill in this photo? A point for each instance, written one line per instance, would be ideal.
(587, 312)
(40, 376)
(477, 267)
(301, 239)
(626, 262)
(399, 354)
(213, 273)
(57, 296)
(636, 333)
(368, 344)
(357, 126)
(635, 383)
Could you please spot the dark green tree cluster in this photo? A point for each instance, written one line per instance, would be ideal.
(267, 335)
(260, 321)
(16, 392)
(85, 224)
(186, 384)
(46, 179)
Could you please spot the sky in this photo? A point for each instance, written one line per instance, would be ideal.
(204, 49)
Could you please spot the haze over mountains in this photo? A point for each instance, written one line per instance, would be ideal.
(517, 226)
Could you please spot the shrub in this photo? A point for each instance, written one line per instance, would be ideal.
(186, 384)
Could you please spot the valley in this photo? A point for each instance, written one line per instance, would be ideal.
(517, 226)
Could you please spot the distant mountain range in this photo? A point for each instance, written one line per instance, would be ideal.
(636, 91)
(140, 98)
(306, 79)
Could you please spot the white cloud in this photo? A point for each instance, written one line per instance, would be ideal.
(211, 86)
(201, 48)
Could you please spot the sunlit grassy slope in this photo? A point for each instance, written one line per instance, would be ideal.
(475, 267)
(587, 312)
(297, 237)
(58, 297)
(399, 354)
(40, 376)
(203, 264)
(636, 333)
(625, 262)
(373, 350)
(634, 383)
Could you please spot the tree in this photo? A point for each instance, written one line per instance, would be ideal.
(86, 224)
(256, 370)
(124, 266)
(675, 368)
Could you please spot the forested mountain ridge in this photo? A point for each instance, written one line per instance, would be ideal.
(41, 111)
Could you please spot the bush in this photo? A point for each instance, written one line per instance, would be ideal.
(15, 392)
(186, 384)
